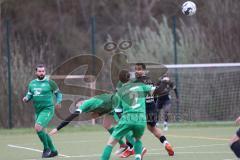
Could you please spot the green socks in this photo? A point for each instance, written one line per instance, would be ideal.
(138, 147)
(111, 130)
(46, 141)
(50, 144)
(43, 137)
(130, 138)
(107, 152)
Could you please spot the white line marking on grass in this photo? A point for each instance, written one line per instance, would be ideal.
(85, 156)
(190, 153)
(199, 137)
(32, 149)
(183, 147)
(147, 155)
(71, 141)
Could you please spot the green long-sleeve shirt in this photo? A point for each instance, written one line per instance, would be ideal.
(42, 93)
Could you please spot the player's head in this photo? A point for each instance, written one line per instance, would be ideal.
(40, 71)
(164, 78)
(140, 69)
(124, 76)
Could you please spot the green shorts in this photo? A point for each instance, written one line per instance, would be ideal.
(122, 129)
(44, 117)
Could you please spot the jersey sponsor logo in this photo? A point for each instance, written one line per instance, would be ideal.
(43, 84)
(37, 91)
(134, 88)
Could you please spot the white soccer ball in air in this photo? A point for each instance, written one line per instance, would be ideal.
(189, 8)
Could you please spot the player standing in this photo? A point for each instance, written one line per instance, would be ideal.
(42, 91)
(235, 141)
(164, 101)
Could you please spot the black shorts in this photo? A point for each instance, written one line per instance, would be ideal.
(238, 133)
(161, 103)
(152, 114)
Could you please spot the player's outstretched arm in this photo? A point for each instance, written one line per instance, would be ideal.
(65, 122)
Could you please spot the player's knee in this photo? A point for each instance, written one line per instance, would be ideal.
(106, 125)
(38, 128)
(151, 128)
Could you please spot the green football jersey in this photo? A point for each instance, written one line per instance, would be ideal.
(119, 85)
(42, 93)
(131, 98)
(102, 103)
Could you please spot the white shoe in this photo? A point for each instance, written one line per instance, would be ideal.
(122, 149)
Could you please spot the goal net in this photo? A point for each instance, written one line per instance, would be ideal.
(207, 92)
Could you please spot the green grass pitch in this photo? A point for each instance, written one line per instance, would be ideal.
(190, 141)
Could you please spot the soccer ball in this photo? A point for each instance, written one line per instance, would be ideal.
(189, 8)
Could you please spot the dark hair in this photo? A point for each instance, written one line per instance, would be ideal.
(141, 64)
(124, 76)
(39, 66)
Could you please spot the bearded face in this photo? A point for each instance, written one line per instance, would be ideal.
(40, 73)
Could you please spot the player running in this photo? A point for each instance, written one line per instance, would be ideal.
(131, 98)
(42, 91)
(235, 141)
(164, 101)
(151, 110)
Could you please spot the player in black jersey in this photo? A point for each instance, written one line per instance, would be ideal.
(235, 141)
(163, 101)
(151, 110)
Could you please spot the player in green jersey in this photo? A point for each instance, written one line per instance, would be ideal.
(109, 122)
(97, 106)
(42, 92)
(131, 99)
